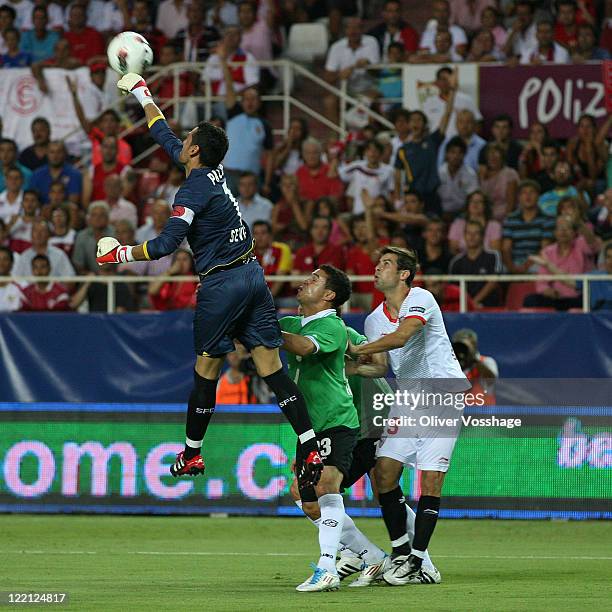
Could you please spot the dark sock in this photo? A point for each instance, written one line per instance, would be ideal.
(292, 404)
(425, 522)
(199, 412)
(394, 514)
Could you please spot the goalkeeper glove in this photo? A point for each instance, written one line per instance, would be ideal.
(111, 252)
(133, 83)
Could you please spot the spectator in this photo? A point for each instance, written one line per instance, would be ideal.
(160, 213)
(566, 31)
(223, 14)
(44, 295)
(14, 58)
(571, 253)
(562, 175)
(234, 386)
(289, 220)
(35, 155)
(346, 61)
(12, 197)
(257, 29)
(585, 49)
(601, 216)
(167, 295)
(287, 156)
(94, 181)
(57, 168)
(587, 152)
(62, 58)
(441, 21)
(477, 260)
(4, 240)
(20, 227)
(97, 293)
(526, 231)
(106, 17)
(172, 16)
(369, 174)
(8, 159)
(8, 15)
(394, 29)
(163, 87)
(490, 22)
(499, 182)
(390, 86)
(522, 35)
(253, 206)
(549, 156)
(196, 39)
(530, 161)
(142, 23)
(600, 291)
(480, 370)
(244, 75)
(275, 258)
(57, 197)
(63, 236)
(85, 42)
(167, 191)
(315, 178)
(501, 130)
(457, 179)
(467, 14)
(401, 123)
(546, 50)
(574, 209)
(434, 253)
(248, 133)
(39, 43)
(443, 51)
(58, 260)
(483, 48)
(319, 251)
(324, 207)
(120, 208)
(10, 293)
(466, 130)
(86, 243)
(377, 217)
(477, 209)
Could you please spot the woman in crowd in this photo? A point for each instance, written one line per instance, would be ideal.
(63, 236)
(289, 220)
(477, 208)
(499, 182)
(165, 295)
(530, 159)
(340, 232)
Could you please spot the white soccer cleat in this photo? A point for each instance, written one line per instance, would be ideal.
(349, 564)
(397, 572)
(372, 572)
(321, 580)
(426, 575)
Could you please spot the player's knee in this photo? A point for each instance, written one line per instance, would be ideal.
(330, 481)
(294, 491)
(209, 367)
(311, 510)
(385, 477)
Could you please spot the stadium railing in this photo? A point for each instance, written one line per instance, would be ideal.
(461, 280)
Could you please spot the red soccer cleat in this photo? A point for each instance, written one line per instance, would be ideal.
(187, 467)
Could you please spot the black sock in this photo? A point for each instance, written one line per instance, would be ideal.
(425, 522)
(291, 402)
(199, 412)
(393, 506)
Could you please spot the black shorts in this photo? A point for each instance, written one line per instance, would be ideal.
(336, 448)
(364, 458)
(235, 304)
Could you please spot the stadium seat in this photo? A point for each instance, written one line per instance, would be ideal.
(307, 41)
(517, 293)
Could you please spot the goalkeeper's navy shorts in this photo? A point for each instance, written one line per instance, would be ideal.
(235, 303)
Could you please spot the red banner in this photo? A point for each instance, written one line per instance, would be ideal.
(553, 95)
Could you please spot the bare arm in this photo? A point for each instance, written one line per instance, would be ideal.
(376, 367)
(407, 329)
(78, 108)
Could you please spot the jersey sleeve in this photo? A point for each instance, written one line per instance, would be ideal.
(167, 139)
(327, 334)
(420, 306)
(355, 337)
(172, 235)
(371, 329)
(286, 323)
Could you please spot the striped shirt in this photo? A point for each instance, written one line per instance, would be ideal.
(527, 236)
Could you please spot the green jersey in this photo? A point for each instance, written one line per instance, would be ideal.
(320, 375)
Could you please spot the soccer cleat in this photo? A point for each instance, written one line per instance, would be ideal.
(321, 580)
(426, 575)
(349, 564)
(187, 467)
(403, 570)
(372, 572)
(310, 472)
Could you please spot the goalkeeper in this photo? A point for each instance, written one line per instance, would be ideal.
(233, 301)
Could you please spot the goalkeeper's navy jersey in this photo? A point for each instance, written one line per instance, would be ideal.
(204, 211)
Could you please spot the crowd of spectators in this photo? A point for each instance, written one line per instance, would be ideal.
(467, 201)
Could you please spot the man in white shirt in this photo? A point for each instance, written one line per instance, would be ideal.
(466, 129)
(23, 8)
(346, 61)
(103, 16)
(12, 197)
(546, 50)
(522, 36)
(60, 264)
(120, 208)
(441, 19)
(435, 106)
(369, 174)
(254, 207)
(172, 17)
(10, 294)
(457, 180)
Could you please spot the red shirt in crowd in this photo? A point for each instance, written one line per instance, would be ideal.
(54, 297)
(86, 44)
(565, 38)
(360, 263)
(319, 185)
(99, 176)
(124, 151)
(175, 296)
(306, 260)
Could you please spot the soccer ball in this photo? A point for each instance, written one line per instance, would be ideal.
(129, 52)
(106, 245)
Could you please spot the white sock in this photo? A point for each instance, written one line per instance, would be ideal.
(330, 529)
(315, 522)
(358, 543)
(410, 518)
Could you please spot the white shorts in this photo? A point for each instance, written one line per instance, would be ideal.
(431, 454)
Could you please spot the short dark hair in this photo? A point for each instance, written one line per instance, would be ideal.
(607, 248)
(551, 144)
(587, 26)
(477, 224)
(326, 219)
(247, 173)
(40, 8)
(415, 193)
(458, 143)
(267, 224)
(354, 220)
(443, 70)
(113, 113)
(32, 192)
(213, 144)
(13, 169)
(503, 117)
(529, 183)
(400, 112)
(7, 8)
(375, 144)
(40, 119)
(4, 249)
(406, 260)
(9, 141)
(572, 3)
(421, 114)
(525, 3)
(338, 282)
(40, 258)
(395, 45)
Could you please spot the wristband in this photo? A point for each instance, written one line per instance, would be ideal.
(143, 95)
(124, 254)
